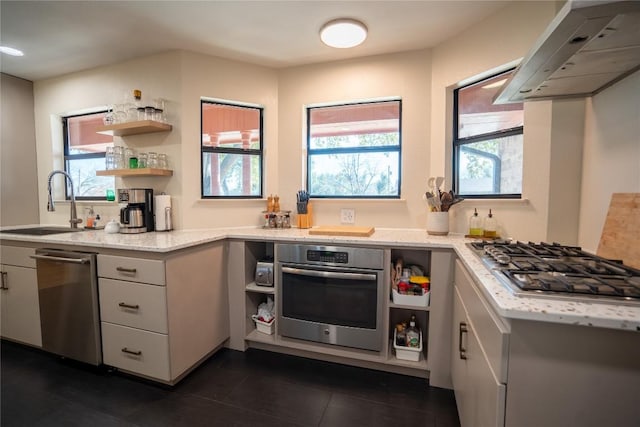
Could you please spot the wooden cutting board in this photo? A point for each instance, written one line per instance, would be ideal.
(621, 233)
(342, 230)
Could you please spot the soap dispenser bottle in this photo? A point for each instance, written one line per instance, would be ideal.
(475, 225)
(490, 226)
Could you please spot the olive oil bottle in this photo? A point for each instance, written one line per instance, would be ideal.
(490, 226)
(475, 225)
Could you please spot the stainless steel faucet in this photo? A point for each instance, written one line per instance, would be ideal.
(74, 221)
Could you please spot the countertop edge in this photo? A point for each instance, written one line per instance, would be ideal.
(503, 301)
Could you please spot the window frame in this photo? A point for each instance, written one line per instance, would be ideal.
(68, 157)
(351, 150)
(236, 151)
(458, 143)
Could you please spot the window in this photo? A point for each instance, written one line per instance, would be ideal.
(487, 142)
(84, 154)
(353, 150)
(231, 150)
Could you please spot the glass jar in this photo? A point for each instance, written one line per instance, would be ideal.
(142, 160)
(152, 160)
(163, 162)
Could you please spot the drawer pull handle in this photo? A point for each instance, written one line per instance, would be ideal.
(463, 330)
(3, 280)
(135, 353)
(132, 307)
(126, 270)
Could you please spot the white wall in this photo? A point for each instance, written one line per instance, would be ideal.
(155, 76)
(500, 39)
(611, 162)
(18, 172)
(205, 76)
(404, 75)
(423, 79)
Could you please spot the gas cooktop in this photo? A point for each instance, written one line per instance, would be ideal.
(559, 271)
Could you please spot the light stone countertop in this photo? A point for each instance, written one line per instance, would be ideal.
(508, 305)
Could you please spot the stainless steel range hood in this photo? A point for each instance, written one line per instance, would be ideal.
(587, 47)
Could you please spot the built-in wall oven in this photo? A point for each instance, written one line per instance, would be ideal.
(331, 294)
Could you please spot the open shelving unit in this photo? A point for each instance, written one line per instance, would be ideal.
(134, 128)
(135, 172)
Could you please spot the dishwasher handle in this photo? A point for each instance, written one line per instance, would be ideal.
(62, 259)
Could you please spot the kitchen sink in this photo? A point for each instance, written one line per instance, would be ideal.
(42, 231)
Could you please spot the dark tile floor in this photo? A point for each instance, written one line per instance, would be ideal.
(255, 388)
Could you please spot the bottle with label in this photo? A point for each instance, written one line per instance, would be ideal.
(413, 333)
(475, 225)
(401, 335)
(490, 226)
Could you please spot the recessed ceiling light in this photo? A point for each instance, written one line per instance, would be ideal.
(343, 33)
(11, 51)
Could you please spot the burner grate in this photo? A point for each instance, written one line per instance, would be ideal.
(612, 286)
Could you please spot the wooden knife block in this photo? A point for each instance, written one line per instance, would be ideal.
(305, 220)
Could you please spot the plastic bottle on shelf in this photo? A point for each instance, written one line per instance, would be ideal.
(413, 333)
(401, 335)
(475, 225)
(490, 226)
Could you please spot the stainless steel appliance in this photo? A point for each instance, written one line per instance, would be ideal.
(68, 295)
(138, 215)
(558, 271)
(264, 272)
(331, 294)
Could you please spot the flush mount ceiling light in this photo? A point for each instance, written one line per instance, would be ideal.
(343, 33)
(11, 51)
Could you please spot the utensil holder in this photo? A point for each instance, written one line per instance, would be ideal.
(305, 220)
(438, 223)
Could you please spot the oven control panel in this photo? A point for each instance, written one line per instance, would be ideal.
(328, 256)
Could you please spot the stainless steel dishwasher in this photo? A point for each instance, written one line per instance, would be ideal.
(68, 294)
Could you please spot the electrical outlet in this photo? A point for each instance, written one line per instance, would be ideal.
(347, 216)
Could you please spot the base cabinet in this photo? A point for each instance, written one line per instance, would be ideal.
(528, 373)
(433, 318)
(479, 395)
(480, 341)
(20, 309)
(161, 317)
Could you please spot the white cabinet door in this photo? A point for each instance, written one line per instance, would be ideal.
(479, 395)
(459, 375)
(20, 318)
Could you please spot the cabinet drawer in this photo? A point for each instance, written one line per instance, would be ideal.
(131, 269)
(492, 332)
(133, 304)
(18, 256)
(137, 351)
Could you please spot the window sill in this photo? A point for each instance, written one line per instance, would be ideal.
(521, 201)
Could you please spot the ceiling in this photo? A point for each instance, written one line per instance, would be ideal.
(60, 37)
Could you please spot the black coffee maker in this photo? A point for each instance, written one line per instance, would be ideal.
(137, 216)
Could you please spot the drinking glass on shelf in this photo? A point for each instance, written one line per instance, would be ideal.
(163, 162)
(109, 117)
(152, 160)
(128, 155)
(109, 158)
(142, 160)
(120, 114)
(118, 153)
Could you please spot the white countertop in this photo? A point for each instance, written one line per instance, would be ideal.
(508, 305)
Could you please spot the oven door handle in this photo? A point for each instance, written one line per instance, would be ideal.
(329, 274)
